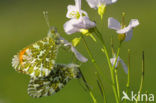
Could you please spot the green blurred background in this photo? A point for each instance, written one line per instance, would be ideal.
(22, 23)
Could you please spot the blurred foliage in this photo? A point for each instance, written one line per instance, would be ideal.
(22, 23)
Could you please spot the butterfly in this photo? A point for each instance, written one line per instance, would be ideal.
(38, 61)
(55, 81)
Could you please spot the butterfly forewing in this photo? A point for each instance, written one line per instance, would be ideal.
(38, 59)
(55, 81)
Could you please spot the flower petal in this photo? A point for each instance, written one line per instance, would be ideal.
(84, 23)
(74, 25)
(78, 55)
(108, 2)
(93, 3)
(83, 13)
(124, 66)
(71, 11)
(78, 4)
(69, 28)
(133, 23)
(113, 24)
(124, 30)
(129, 35)
(112, 60)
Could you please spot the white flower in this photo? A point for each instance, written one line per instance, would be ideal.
(75, 25)
(100, 5)
(78, 19)
(128, 31)
(119, 60)
(74, 11)
(97, 3)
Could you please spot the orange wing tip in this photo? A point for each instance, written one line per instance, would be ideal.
(21, 55)
(17, 60)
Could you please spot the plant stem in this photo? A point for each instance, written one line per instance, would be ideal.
(116, 74)
(128, 76)
(90, 54)
(99, 35)
(116, 59)
(117, 83)
(128, 79)
(116, 70)
(96, 66)
(101, 87)
(142, 77)
(93, 98)
(88, 88)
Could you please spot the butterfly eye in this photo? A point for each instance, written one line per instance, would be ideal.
(60, 75)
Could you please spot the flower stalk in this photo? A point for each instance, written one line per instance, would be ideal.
(88, 88)
(128, 77)
(142, 76)
(96, 67)
(117, 83)
(99, 35)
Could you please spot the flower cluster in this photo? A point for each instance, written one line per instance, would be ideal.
(79, 19)
(80, 22)
(114, 24)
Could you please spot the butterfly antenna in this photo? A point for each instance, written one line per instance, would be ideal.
(52, 30)
(45, 13)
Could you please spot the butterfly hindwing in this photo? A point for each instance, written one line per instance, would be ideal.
(55, 81)
(38, 59)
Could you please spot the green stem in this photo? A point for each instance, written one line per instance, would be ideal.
(91, 56)
(112, 76)
(142, 77)
(101, 87)
(88, 88)
(116, 74)
(116, 70)
(128, 79)
(117, 83)
(95, 64)
(99, 35)
(93, 98)
(128, 76)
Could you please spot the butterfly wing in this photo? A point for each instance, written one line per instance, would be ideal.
(38, 59)
(55, 81)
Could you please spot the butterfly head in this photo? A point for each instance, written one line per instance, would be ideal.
(53, 33)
